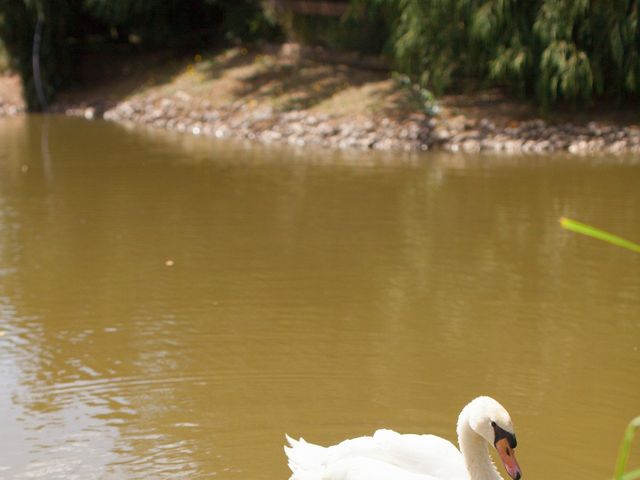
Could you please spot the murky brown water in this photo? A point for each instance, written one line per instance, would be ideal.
(171, 306)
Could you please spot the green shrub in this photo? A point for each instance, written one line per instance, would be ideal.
(567, 50)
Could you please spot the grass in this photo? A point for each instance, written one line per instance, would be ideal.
(623, 453)
(594, 232)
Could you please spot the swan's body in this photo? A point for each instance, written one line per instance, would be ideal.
(388, 455)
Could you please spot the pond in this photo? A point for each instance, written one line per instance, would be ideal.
(171, 305)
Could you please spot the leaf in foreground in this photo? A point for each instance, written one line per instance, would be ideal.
(594, 232)
(623, 454)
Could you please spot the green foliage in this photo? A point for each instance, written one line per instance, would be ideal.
(364, 27)
(423, 97)
(175, 22)
(246, 20)
(503, 43)
(594, 232)
(68, 25)
(570, 50)
(623, 453)
(556, 51)
(428, 39)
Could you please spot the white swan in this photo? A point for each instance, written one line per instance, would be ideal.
(388, 455)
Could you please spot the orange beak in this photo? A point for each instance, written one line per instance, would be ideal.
(508, 457)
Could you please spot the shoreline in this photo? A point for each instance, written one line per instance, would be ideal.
(419, 132)
(345, 107)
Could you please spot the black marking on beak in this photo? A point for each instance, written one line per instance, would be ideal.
(501, 433)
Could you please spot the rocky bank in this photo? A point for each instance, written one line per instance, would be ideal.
(417, 132)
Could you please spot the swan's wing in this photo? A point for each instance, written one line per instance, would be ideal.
(423, 454)
(383, 456)
(361, 468)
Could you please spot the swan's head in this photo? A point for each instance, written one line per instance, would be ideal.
(492, 422)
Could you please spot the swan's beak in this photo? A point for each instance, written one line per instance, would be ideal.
(508, 457)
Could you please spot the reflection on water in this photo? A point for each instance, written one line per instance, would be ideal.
(172, 305)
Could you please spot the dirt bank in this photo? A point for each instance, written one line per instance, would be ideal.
(301, 96)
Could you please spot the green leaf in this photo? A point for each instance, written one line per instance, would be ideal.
(590, 231)
(617, 48)
(631, 475)
(623, 453)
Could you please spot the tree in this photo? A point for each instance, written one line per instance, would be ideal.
(69, 25)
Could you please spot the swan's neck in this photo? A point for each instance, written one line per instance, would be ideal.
(475, 452)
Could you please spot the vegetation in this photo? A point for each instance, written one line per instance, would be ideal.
(365, 27)
(594, 232)
(69, 26)
(623, 453)
(555, 51)
(567, 50)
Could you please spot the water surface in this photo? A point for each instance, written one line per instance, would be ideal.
(170, 306)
